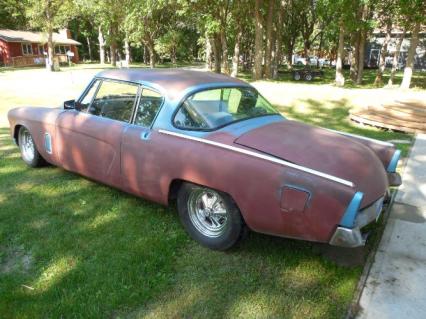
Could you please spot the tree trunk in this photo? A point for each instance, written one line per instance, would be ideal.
(290, 47)
(113, 53)
(209, 63)
(145, 54)
(127, 52)
(258, 44)
(408, 70)
(319, 55)
(101, 46)
(173, 55)
(355, 57)
(50, 51)
(361, 56)
(269, 39)
(382, 64)
(363, 37)
(225, 65)
(89, 48)
(151, 49)
(236, 56)
(396, 58)
(340, 79)
(278, 43)
(216, 53)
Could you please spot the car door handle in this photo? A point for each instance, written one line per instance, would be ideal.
(145, 135)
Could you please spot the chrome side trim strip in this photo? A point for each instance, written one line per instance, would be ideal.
(362, 138)
(261, 156)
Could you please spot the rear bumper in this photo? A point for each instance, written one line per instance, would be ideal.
(346, 237)
(394, 179)
(352, 236)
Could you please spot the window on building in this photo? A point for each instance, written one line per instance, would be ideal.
(41, 49)
(62, 49)
(27, 49)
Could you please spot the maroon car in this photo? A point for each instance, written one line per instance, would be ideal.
(217, 146)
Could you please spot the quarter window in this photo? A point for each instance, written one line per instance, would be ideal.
(211, 109)
(149, 104)
(27, 49)
(114, 100)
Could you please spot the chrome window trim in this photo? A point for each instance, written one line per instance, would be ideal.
(362, 138)
(260, 156)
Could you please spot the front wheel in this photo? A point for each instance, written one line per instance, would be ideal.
(28, 149)
(210, 217)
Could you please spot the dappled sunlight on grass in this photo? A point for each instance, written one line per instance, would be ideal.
(54, 273)
(97, 252)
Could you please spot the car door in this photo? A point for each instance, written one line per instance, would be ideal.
(139, 151)
(90, 139)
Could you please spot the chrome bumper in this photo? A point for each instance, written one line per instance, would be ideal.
(394, 179)
(346, 237)
(352, 237)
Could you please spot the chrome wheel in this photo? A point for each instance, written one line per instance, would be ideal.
(27, 145)
(207, 212)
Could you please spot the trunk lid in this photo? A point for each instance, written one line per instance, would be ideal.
(321, 150)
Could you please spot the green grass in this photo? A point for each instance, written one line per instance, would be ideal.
(73, 248)
(418, 80)
(89, 251)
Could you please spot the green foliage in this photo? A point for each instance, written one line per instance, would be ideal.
(48, 15)
(12, 14)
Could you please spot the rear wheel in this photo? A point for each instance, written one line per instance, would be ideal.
(297, 76)
(210, 217)
(29, 152)
(308, 77)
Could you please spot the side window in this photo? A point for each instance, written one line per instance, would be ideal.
(87, 99)
(148, 107)
(114, 100)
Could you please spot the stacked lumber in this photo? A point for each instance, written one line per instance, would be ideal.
(405, 116)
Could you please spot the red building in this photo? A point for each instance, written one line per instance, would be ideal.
(24, 48)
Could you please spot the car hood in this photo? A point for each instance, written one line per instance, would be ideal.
(321, 150)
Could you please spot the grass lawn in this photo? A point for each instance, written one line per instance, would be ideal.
(73, 248)
(418, 80)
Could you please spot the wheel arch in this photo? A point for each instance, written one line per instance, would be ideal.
(177, 183)
(16, 133)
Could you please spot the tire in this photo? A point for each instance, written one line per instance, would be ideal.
(297, 76)
(29, 152)
(309, 77)
(218, 227)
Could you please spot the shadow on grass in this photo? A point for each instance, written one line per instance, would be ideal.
(98, 252)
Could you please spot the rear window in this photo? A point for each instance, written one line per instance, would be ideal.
(212, 109)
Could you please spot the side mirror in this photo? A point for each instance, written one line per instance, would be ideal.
(71, 105)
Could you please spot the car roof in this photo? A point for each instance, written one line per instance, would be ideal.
(171, 81)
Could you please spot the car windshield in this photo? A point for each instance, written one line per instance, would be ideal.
(211, 109)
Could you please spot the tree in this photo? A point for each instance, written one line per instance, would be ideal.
(340, 79)
(12, 14)
(414, 12)
(269, 39)
(146, 22)
(395, 60)
(258, 45)
(408, 70)
(48, 15)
